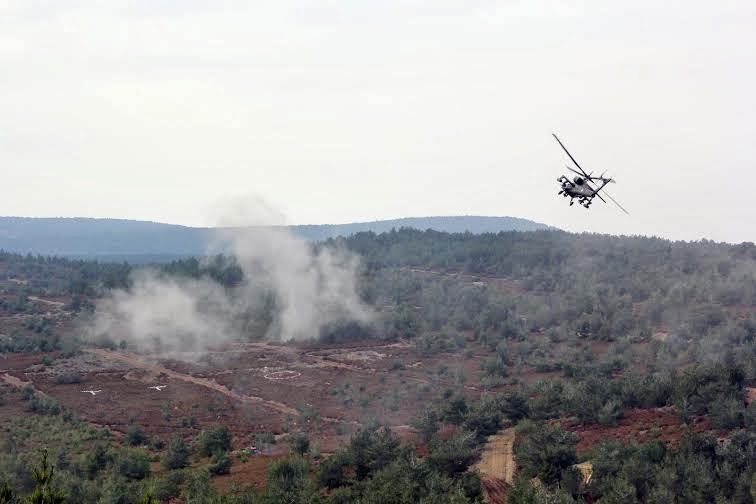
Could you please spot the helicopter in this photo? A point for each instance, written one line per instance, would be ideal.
(580, 186)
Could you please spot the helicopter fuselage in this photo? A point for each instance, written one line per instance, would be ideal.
(580, 186)
(577, 188)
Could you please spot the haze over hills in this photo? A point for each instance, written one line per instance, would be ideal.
(143, 241)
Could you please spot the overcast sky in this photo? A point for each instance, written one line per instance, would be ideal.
(339, 111)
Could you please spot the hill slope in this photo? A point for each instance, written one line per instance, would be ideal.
(141, 241)
(473, 224)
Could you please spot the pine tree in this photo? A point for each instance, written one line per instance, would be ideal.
(43, 476)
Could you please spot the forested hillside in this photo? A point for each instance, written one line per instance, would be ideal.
(633, 356)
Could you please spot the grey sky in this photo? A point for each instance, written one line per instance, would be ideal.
(339, 111)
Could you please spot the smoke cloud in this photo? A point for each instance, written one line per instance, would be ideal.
(286, 289)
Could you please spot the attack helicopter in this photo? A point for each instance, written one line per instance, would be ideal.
(584, 186)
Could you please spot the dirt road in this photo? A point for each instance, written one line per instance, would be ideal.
(18, 383)
(504, 284)
(50, 302)
(202, 382)
(497, 464)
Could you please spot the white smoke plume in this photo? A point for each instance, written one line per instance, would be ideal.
(289, 290)
(311, 288)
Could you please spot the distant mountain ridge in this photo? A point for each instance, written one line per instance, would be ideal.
(144, 241)
(454, 224)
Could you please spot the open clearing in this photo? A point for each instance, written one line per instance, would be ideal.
(253, 388)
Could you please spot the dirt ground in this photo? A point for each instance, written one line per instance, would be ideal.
(639, 426)
(497, 465)
(253, 388)
(253, 472)
(497, 459)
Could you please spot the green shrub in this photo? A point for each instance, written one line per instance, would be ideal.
(514, 406)
(27, 392)
(372, 449)
(96, 460)
(610, 412)
(7, 493)
(454, 456)
(220, 464)
(546, 451)
(132, 464)
(44, 405)
(67, 378)
(427, 424)
(168, 486)
(288, 480)
(332, 472)
(135, 436)
(750, 416)
(157, 444)
(299, 443)
(495, 366)
(727, 413)
(199, 488)
(483, 419)
(177, 455)
(455, 410)
(267, 438)
(217, 439)
(44, 491)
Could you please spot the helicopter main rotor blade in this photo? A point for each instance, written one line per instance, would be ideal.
(599, 196)
(581, 174)
(573, 159)
(615, 202)
(595, 191)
